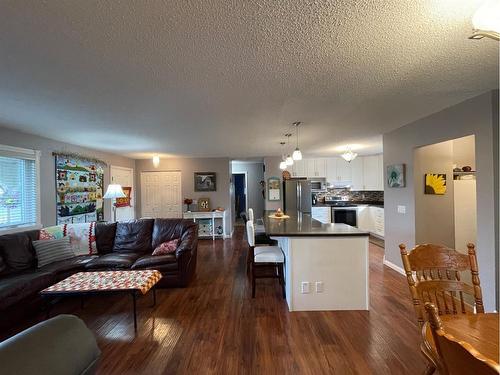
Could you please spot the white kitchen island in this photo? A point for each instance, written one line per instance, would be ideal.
(326, 265)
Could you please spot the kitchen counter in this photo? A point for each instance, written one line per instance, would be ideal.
(326, 265)
(369, 203)
(301, 224)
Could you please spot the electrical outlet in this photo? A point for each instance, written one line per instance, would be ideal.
(401, 209)
(319, 287)
(304, 287)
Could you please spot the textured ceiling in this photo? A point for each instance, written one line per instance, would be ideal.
(226, 78)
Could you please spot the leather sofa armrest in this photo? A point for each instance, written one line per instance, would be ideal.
(189, 243)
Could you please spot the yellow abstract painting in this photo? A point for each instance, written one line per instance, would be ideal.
(435, 183)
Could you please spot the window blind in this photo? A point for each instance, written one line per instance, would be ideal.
(18, 188)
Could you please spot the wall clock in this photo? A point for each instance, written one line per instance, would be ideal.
(203, 204)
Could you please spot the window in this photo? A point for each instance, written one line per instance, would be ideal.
(19, 189)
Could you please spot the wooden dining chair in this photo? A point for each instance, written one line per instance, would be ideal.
(264, 261)
(456, 357)
(437, 262)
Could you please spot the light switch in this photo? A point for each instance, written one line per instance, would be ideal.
(401, 209)
(304, 287)
(319, 287)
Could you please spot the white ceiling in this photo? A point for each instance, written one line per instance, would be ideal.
(225, 78)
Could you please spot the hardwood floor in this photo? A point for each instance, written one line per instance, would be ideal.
(214, 326)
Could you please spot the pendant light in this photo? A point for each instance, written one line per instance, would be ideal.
(289, 159)
(486, 21)
(297, 154)
(349, 155)
(283, 162)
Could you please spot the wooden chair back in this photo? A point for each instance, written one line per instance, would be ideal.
(436, 262)
(456, 357)
(446, 295)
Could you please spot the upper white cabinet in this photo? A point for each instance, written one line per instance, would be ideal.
(363, 173)
(338, 171)
(373, 172)
(309, 168)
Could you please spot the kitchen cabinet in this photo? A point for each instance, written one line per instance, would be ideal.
(310, 168)
(373, 176)
(357, 174)
(323, 214)
(371, 219)
(338, 172)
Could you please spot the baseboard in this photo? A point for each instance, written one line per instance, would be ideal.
(394, 267)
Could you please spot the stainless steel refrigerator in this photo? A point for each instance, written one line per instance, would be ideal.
(297, 195)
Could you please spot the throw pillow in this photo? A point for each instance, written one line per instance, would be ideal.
(82, 238)
(50, 251)
(165, 248)
(55, 232)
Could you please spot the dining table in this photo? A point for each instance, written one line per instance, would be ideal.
(479, 330)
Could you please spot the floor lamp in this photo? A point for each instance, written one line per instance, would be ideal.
(112, 192)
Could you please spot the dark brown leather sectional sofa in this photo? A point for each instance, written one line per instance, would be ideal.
(122, 245)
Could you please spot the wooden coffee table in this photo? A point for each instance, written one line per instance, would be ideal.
(102, 282)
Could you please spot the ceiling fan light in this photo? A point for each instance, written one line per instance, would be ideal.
(486, 20)
(297, 154)
(283, 165)
(289, 160)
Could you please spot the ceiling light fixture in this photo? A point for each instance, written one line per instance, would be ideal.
(289, 159)
(156, 161)
(349, 155)
(283, 162)
(297, 154)
(486, 21)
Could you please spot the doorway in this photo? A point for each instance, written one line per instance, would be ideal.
(240, 194)
(124, 177)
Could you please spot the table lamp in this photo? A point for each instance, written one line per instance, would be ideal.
(112, 192)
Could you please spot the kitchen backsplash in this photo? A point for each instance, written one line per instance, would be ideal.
(360, 195)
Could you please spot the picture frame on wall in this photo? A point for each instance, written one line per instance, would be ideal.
(273, 189)
(205, 181)
(396, 176)
(203, 204)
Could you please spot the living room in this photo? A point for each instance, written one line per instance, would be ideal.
(179, 184)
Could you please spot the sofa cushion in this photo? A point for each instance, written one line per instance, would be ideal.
(113, 260)
(168, 229)
(52, 233)
(3, 265)
(165, 248)
(105, 237)
(157, 262)
(14, 288)
(74, 264)
(82, 238)
(17, 251)
(133, 236)
(49, 251)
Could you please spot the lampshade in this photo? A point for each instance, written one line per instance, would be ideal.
(289, 160)
(297, 155)
(486, 20)
(114, 191)
(283, 165)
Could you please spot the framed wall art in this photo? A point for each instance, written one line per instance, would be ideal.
(435, 183)
(396, 176)
(205, 181)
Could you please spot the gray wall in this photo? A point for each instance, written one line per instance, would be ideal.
(187, 166)
(272, 165)
(255, 174)
(475, 116)
(432, 209)
(47, 167)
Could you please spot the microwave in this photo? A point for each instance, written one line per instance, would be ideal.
(318, 185)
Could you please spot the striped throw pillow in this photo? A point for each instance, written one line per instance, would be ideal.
(50, 251)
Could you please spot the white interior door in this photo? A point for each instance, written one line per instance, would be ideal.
(125, 178)
(161, 194)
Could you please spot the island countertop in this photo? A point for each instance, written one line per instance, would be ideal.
(303, 225)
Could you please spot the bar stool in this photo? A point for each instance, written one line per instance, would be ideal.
(261, 238)
(264, 258)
